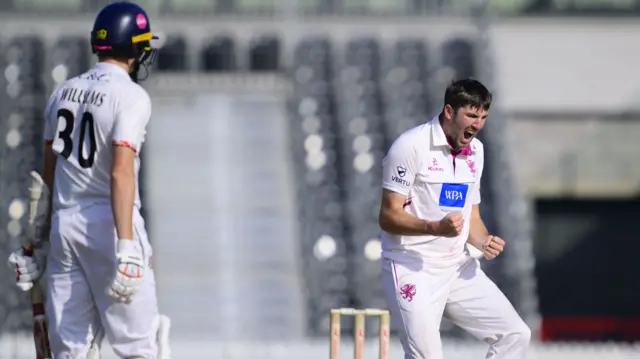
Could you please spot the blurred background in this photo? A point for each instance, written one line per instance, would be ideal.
(261, 172)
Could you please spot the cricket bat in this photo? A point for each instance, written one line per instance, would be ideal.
(38, 206)
(40, 330)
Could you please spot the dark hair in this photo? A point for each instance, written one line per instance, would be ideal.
(467, 92)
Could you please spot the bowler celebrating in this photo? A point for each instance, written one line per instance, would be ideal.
(430, 210)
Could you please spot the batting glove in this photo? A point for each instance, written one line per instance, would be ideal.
(130, 271)
(28, 268)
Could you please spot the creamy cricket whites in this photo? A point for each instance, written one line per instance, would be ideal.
(432, 230)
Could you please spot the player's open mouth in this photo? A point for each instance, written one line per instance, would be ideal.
(468, 135)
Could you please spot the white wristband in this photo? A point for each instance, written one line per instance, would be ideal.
(125, 244)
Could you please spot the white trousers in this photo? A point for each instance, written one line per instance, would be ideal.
(418, 299)
(81, 266)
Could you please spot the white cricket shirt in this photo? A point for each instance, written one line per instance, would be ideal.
(84, 117)
(421, 167)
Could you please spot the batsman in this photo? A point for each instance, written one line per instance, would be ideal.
(85, 226)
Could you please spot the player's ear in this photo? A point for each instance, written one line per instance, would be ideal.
(449, 112)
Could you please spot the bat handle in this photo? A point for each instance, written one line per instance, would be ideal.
(40, 329)
(27, 250)
(41, 336)
(38, 309)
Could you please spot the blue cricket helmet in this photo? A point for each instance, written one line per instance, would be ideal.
(122, 29)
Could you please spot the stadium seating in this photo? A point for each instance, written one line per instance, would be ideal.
(405, 89)
(22, 101)
(173, 56)
(264, 54)
(218, 55)
(362, 148)
(316, 156)
(69, 58)
(458, 54)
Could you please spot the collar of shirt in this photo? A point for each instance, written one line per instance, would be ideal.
(111, 68)
(438, 138)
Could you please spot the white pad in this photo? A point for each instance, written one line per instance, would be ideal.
(164, 352)
(94, 349)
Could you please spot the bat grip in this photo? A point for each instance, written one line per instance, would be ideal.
(27, 250)
(38, 309)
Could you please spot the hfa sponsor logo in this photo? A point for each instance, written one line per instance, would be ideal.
(453, 195)
(401, 171)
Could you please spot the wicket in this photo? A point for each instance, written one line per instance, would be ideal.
(358, 331)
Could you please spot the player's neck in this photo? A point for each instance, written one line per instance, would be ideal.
(446, 129)
(120, 64)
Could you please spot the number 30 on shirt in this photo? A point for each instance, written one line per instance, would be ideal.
(63, 143)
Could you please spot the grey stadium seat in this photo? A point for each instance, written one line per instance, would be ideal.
(406, 94)
(22, 101)
(219, 55)
(321, 214)
(458, 54)
(312, 61)
(173, 55)
(315, 152)
(362, 145)
(362, 150)
(364, 53)
(264, 54)
(27, 52)
(411, 54)
(70, 56)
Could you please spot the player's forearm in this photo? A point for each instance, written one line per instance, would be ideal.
(123, 192)
(478, 232)
(402, 223)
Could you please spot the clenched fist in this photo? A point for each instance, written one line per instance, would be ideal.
(451, 225)
(492, 247)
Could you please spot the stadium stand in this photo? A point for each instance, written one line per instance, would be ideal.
(405, 89)
(218, 54)
(264, 53)
(458, 54)
(173, 56)
(361, 152)
(69, 57)
(23, 98)
(316, 157)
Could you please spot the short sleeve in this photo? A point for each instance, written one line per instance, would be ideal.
(131, 120)
(400, 165)
(50, 118)
(475, 195)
